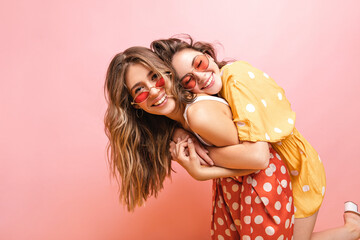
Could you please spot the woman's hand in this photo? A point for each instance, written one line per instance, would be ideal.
(201, 151)
(185, 154)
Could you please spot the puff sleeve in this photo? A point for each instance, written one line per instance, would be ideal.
(260, 109)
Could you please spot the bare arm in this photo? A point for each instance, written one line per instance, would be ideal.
(245, 155)
(180, 133)
(190, 161)
(213, 122)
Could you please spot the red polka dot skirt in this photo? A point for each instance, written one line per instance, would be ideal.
(257, 207)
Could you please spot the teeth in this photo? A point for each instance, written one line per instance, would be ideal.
(160, 101)
(208, 82)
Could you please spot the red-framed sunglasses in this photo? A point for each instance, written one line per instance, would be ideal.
(143, 94)
(200, 63)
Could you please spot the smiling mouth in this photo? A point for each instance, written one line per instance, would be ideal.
(208, 82)
(161, 100)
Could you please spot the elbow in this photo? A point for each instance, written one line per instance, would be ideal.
(262, 160)
(200, 178)
(264, 163)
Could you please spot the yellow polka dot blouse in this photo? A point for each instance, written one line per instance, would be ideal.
(261, 112)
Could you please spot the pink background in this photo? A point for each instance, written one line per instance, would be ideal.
(54, 180)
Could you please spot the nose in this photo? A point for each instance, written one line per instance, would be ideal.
(201, 76)
(154, 91)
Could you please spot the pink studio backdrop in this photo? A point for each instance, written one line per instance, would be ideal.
(54, 180)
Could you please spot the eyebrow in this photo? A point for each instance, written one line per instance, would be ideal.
(138, 83)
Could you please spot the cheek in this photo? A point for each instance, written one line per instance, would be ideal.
(168, 109)
(215, 89)
(196, 89)
(168, 85)
(218, 84)
(218, 81)
(142, 106)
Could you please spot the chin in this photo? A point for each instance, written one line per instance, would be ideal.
(214, 89)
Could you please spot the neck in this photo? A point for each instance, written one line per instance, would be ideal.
(179, 116)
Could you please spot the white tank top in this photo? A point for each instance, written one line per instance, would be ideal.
(202, 98)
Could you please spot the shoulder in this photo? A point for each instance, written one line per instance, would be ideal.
(212, 120)
(202, 112)
(241, 69)
(236, 67)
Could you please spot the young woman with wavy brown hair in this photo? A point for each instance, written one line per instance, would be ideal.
(138, 148)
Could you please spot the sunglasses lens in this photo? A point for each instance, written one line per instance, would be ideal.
(160, 82)
(141, 97)
(145, 94)
(188, 82)
(201, 63)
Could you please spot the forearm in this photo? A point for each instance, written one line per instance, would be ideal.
(241, 156)
(214, 172)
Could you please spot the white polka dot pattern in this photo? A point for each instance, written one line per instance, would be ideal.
(277, 130)
(258, 219)
(306, 188)
(253, 208)
(247, 219)
(267, 187)
(251, 75)
(277, 205)
(267, 137)
(277, 220)
(240, 124)
(264, 102)
(250, 108)
(235, 206)
(270, 231)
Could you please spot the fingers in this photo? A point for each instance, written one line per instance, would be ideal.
(203, 148)
(197, 154)
(180, 147)
(205, 157)
(175, 148)
(192, 152)
(202, 162)
(184, 151)
(178, 152)
(203, 154)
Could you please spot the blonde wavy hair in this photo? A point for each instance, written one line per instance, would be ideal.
(138, 145)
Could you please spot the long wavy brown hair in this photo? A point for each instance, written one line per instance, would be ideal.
(138, 147)
(167, 48)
